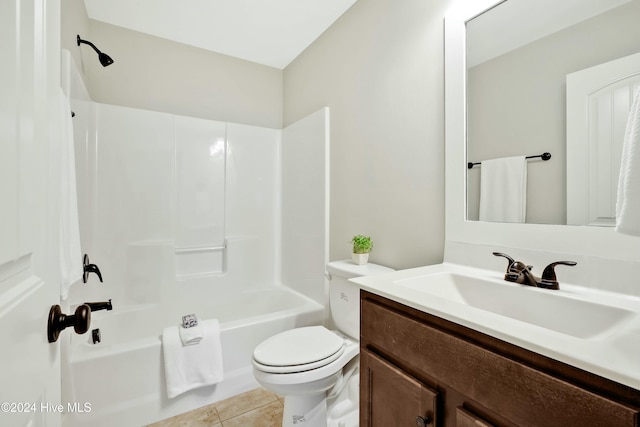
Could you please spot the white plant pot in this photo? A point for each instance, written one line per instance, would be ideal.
(360, 259)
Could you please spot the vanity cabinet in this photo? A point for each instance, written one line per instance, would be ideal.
(415, 365)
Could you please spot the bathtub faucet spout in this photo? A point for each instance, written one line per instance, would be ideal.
(96, 306)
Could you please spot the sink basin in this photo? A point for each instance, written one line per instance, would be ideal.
(548, 309)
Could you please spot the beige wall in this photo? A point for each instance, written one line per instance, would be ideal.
(157, 74)
(380, 70)
(74, 21)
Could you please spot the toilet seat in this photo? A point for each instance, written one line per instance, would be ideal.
(298, 350)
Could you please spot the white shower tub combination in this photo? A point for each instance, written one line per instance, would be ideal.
(186, 215)
(122, 377)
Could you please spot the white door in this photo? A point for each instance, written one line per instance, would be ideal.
(29, 88)
(598, 103)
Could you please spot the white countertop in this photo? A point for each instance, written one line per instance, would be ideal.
(613, 353)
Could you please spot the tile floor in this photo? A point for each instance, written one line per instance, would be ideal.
(255, 408)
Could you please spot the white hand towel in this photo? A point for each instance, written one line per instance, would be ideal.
(192, 335)
(628, 202)
(70, 251)
(193, 366)
(503, 189)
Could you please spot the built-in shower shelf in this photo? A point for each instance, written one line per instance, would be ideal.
(198, 249)
(200, 261)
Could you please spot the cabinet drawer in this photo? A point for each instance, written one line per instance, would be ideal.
(522, 394)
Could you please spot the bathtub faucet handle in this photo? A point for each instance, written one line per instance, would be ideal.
(89, 268)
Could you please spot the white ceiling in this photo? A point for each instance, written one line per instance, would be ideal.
(270, 32)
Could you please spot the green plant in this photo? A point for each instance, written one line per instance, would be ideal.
(362, 244)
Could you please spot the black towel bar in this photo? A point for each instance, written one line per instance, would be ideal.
(543, 156)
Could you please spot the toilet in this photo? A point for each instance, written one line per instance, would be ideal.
(314, 368)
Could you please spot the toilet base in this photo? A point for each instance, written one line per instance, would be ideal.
(318, 411)
(343, 410)
(305, 411)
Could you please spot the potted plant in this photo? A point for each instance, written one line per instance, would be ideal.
(362, 245)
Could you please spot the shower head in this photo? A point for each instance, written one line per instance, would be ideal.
(102, 57)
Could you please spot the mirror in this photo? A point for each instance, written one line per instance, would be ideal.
(464, 236)
(522, 57)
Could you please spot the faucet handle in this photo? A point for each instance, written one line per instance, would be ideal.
(511, 260)
(514, 269)
(549, 280)
(89, 268)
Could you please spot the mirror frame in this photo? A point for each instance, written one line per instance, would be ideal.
(591, 241)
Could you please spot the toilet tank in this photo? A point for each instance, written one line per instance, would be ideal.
(344, 296)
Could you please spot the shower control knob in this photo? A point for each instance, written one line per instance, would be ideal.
(89, 268)
(422, 421)
(58, 321)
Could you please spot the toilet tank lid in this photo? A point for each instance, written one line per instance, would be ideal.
(348, 269)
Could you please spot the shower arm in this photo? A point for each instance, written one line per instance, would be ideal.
(89, 43)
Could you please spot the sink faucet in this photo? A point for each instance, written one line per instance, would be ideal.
(520, 273)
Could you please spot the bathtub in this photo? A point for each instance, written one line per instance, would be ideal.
(122, 378)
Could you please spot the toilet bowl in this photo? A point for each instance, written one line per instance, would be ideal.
(315, 368)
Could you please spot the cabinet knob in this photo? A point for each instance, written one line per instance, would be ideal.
(422, 421)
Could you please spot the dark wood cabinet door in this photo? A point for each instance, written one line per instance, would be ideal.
(465, 418)
(391, 398)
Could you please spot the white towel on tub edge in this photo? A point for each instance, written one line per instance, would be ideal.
(192, 366)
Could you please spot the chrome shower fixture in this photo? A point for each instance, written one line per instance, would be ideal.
(103, 57)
